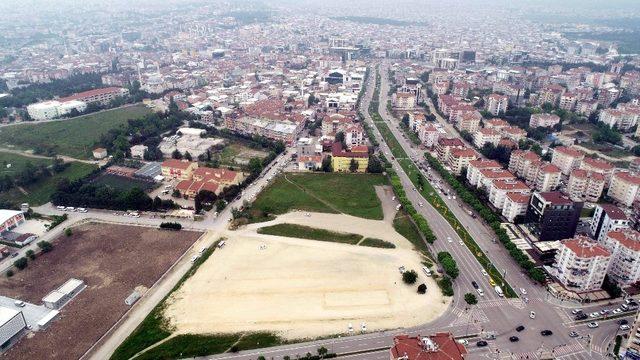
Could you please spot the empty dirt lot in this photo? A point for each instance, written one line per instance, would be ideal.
(112, 260)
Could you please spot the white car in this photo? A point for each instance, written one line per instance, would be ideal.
(449, 239)
(480, 292)
(484, 272)
(594, 314)
(624, 327)
(421, 204)
(617, 311)
(532, 314)
(463, 342)
(194, 258)
(593, 325)
(576, 311)
(523, 291)
(461, 242)
(61, 208)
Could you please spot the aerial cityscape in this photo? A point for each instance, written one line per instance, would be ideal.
(280, 179)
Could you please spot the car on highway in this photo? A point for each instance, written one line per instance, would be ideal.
(461, 243)
(482, 343)
(546, 332)
(523, 291)
(624, 327)
(514, 339)
(573, 334)
(532, 314)
(593, 325)
(594, 314)
(520, 328)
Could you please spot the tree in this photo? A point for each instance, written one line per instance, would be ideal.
(422, 288)
(470, 299)
(636, 150)
(255, 165)
(31, 254)
(410, 277)
(45, 246)
(353, 165)
(176, 154)
(374, 166)
(326, 163)
(68, 231)
(405, 120)
(261, 357)
(20, 263)
(9, 273)
(339, 137)
(322, 351)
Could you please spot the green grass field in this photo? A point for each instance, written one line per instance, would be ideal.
(352, 194)
(40, 191)
(74, 137)
(123, 183)
(378, 243)
(306, 232)
(403, 225)
(18, 163)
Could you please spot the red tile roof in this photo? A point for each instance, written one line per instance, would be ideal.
(519, 197)
(177, 164)
(485, 164)
(583, 247)
(509, 184)
(444, 347)
(556, 198)
(628, 238)
(215, 174)
(336, 150)
(613, 212)
(628, 177)
(569, 151)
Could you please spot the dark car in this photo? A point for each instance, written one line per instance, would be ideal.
(481, 343)
(475, 284)
(520, 328)
(623, 322)
(546, 332)
(581, 316)
(514, 339)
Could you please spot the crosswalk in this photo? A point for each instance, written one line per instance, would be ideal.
(469, 317)
(487, 304)
(557, 352)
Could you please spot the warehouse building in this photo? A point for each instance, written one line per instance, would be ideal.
(62, 295)
(11, 325)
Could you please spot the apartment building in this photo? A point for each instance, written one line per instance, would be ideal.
(600, 166)
(633, 344)
(445, 145)
(553, 215)
(428, 135)
(521, 160)
(568, 101)
(487, 176)
(404, 101)
(459, 159)
(469, 121)
(513, 133)
(515, 205)
(543, 120)
(566, 158)
(585, 185)
(547, 177)
(486, 136)
(624, 246)
(606, 218)
(475, 166)
(581, 264)
(496, 124)
(499, 189)
(98, 96)
(497, 104)
(624, 188)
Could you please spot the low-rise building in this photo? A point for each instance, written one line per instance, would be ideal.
(585, 185)
(137, 151)
(12, 323)
(624, 188)
(99, 153)
(566, 158)
(581, 264)
(178, 169)
(341, 160)
(440, 346)
(606, 218)
(10, 219)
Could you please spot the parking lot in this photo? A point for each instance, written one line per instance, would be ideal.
(32, 312)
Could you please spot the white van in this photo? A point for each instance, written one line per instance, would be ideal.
(426, 271)
(19, 303)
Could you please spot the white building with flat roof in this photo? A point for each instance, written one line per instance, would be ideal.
(12, 322)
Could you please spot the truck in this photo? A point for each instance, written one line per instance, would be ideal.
(498, 290)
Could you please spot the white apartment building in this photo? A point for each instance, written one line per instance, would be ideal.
(606, 218)
(581, 264)
(520, 160)
(53, 109)
(513, 133)
(487, 176)
(428, 135)
(624, 188)
(474, 167)
(484, 136)
(469, 121)
(499, 189)
(624, 246)
(459, 159)
(600, 166)
(543, 120)
(566, 158)
(497, 104)
(515, 204)
(405, 101)
(585, 185)
(548, 178)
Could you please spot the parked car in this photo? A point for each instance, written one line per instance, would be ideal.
(617, 311)
(475, 284)
(624, 327)
(482, 343)
(573, 334)
(594, 314)
(523, 291)
(576, 311)
(464, 342)
(480, 292)
(520, 328)
(623, 322)
(546, 332)
(532, 314)
(19, 303)
(581, 316)
(593, 325)
(514, 339)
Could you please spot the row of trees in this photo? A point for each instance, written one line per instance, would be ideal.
(490, 217)
(448, 264)
(31, 173)
(24, 96)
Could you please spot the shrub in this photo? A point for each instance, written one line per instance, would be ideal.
(68, 231)
(171, 226)
(31, 254)
(20, 263)
(45, 246)
(409, 277)
(470, 299)
(422, 288)
(9, 273)
(446, 286)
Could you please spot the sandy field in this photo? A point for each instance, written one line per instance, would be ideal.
(304, 288)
